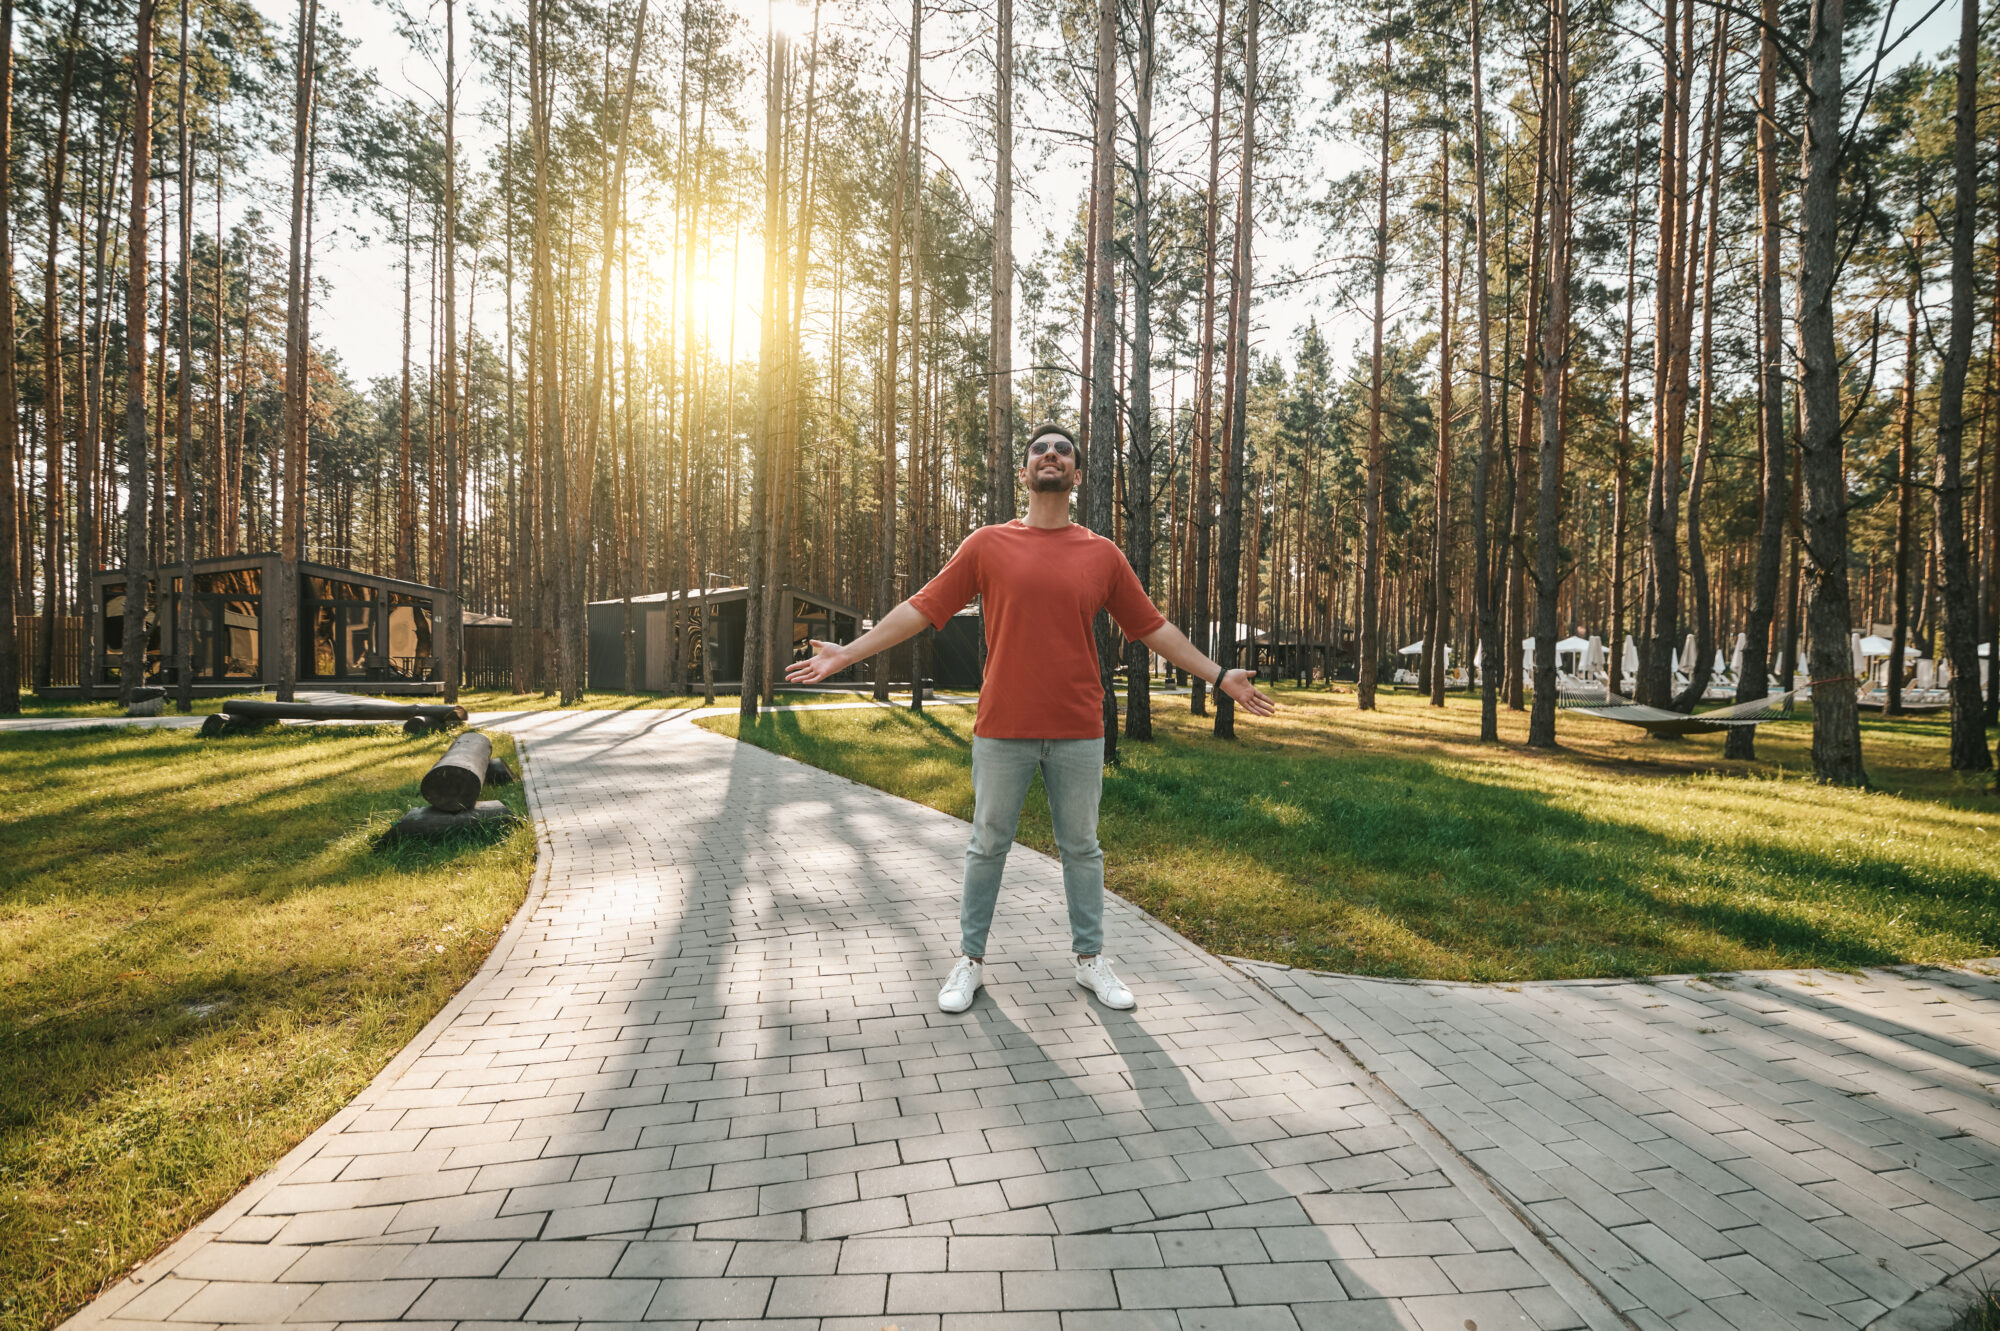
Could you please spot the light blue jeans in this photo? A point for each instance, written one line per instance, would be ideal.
(1073, 775)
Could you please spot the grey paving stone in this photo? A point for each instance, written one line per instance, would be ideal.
(475, 1300)
(682, 1259)
(702, 1299)
(359, 1301)
(1179, 1287)
(578, 1258)
(1270, 1317)
(784, 1259)
(824, 1295)
(230, 1301)
(970, 1291)
(1058, 1290)
(592, 1300)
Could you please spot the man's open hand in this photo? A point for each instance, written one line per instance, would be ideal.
(1236, 683)
(828, 658)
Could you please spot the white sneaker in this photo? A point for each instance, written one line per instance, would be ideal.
(960, 986)
(1096, 976)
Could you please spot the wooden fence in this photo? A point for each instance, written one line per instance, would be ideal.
(65, 666)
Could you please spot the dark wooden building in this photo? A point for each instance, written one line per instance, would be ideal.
(719, 613)
(356, 630)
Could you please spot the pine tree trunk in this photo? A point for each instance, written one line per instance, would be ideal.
(52, 373)
(1836, 741)
(1369, 651)
(452, 635)
(1906, 466)
(1139, 398)
(1669, 368)
(1517, 529)
(11, 570)
(297, 358)
(1615, 682)
(1555, 345)
(132, 663)
(1491, 650)
(1000, 356)
(1702, 668)
(1203, 494)
(885, 531)
(1753, 676)
(1968, 729)
(1231, 571)
(184, 440)
(761, 434)
(1438, 635)
(1101, 448)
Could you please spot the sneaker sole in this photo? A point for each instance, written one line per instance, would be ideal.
(954, 1011)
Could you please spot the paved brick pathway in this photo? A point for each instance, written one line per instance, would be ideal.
(1789, 1149)
(704, 1083)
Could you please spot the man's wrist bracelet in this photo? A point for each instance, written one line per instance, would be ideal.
(1220, 675)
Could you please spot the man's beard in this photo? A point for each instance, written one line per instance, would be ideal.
(1045, 483)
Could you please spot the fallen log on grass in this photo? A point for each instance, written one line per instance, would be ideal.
(359, 709)
(498, 773)
(453, 783)
(424, 823)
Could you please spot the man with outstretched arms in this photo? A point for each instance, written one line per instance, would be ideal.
(1040, 580)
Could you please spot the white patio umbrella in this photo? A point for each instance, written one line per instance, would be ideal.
(1736, 657)
(1720, 666)
(1630, 659)
(1414, 649)
(1687, 654)
(1593, 655)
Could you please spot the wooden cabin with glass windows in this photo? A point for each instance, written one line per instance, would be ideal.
(357, 631)
(720, 613)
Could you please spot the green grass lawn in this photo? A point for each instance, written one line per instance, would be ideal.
(204, 956)
(1394, 844)
(37, 708)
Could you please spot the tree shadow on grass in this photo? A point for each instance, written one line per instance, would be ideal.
(1488, 863)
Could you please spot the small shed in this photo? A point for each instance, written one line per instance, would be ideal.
(357, 630)
(718, 613)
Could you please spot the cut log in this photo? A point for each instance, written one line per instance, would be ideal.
(437, 714)
(213, 725)
(424, 823)
(498, 773)
(453, 783)
(416, 725)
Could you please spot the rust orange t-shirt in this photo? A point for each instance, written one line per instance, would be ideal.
(1038, 590)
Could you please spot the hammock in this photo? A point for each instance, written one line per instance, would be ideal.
(1659, 721)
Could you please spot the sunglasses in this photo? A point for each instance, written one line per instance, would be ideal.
(1047, 442)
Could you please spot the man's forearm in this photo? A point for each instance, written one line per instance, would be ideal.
(899, 625)
(1171, 645)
